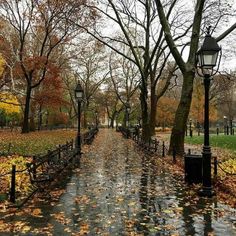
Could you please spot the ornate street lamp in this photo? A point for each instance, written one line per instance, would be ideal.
(226, 127)
(79, 94)
(207, 58)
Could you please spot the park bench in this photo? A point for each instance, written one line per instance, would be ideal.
(125, 131)
(39, 172)
(89, 136)
(44, 168)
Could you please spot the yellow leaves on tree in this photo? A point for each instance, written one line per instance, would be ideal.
(2, 65)
(9, 103)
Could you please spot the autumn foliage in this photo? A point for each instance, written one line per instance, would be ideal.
(166, 108)
(197, 105)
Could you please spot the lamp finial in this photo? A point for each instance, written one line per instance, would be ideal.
(208, 29)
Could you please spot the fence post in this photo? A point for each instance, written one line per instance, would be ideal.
(13, 185)
(174, 155)
(163, 149)
(189, 151)
(156, 144)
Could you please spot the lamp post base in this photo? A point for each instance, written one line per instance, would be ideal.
(207, 192)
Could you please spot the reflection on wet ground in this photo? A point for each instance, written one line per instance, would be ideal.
(120, 191)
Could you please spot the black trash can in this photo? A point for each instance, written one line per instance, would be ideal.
(193, 168)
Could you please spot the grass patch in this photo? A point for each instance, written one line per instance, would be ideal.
(221, 141)
(35, 142)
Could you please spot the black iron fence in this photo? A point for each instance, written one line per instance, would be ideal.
(151, 146)
(42, 169)
(193, 157)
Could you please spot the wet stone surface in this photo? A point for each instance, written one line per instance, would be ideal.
(119, 191)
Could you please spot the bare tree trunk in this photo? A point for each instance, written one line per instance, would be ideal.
(145, 117)
(25, 126)
(153, 111)
(40, 117)
(32, 122)
(181, 116)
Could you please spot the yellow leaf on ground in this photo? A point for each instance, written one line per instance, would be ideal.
(37, 212)
(26, 229)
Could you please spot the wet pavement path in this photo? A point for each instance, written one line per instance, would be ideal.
(119, 191)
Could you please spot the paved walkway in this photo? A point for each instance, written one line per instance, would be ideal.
(119, 191)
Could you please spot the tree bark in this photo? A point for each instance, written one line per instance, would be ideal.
(188, 72)
(153, 111)
(145, 117)
(25, 126)
(181, 116)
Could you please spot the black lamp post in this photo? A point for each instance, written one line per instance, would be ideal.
(79, 94)
(225, 125)
(207, 58)
(46, 122)
(231, 126)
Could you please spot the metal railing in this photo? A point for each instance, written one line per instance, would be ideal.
(42, 169)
